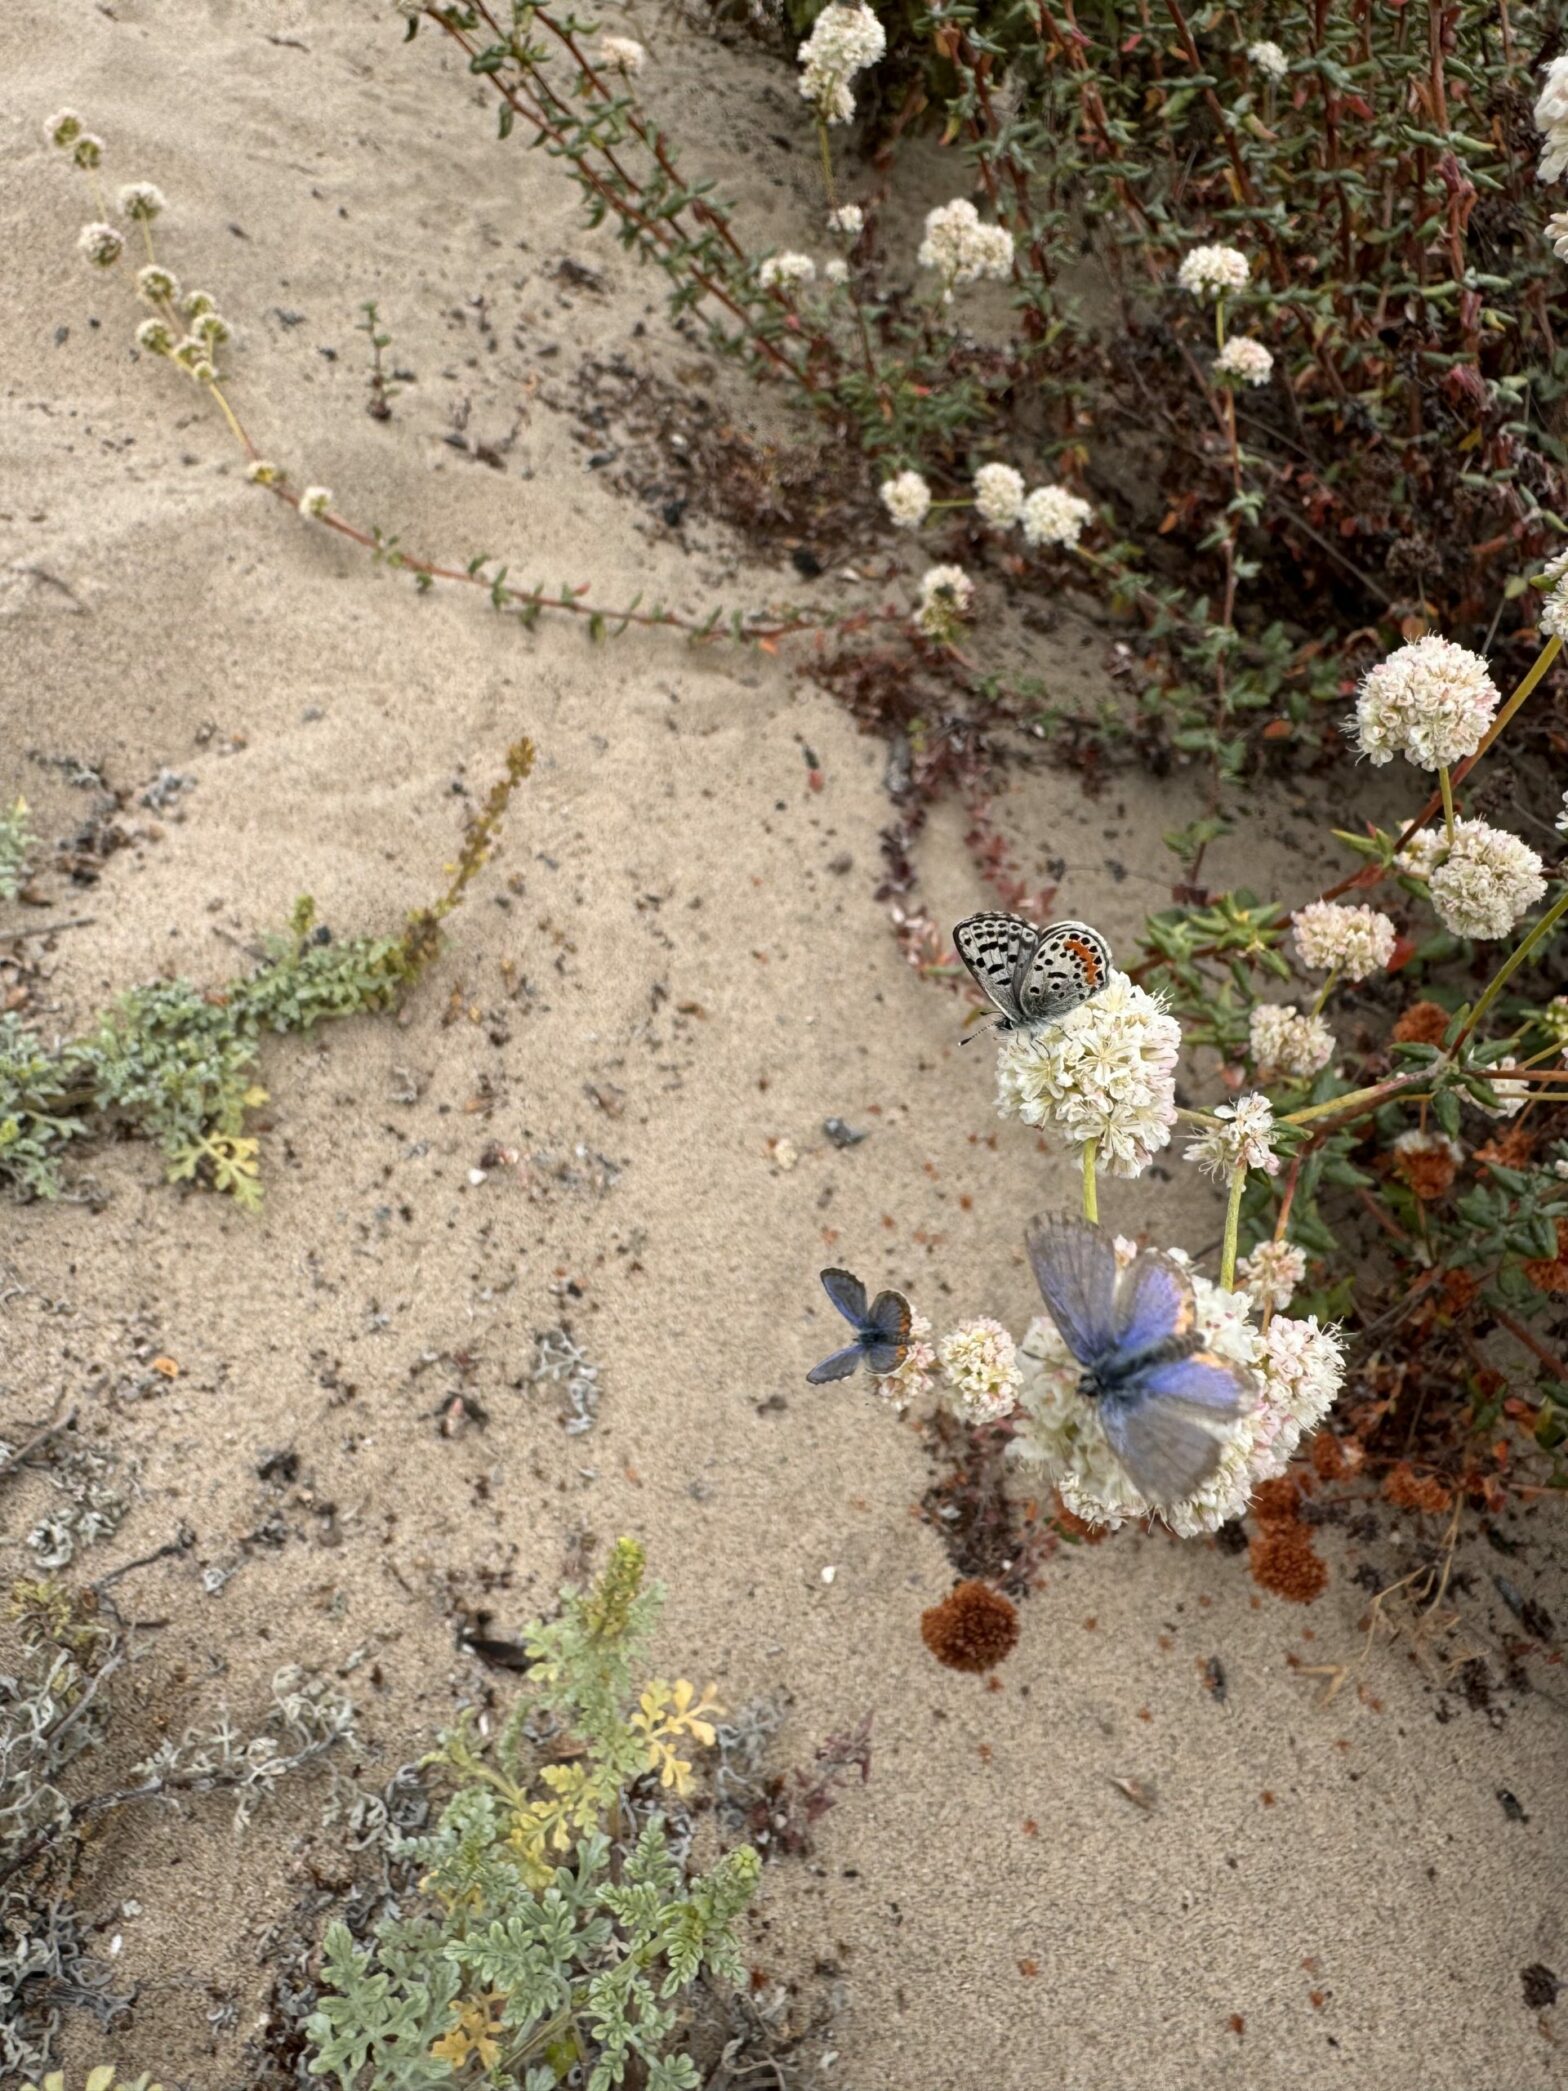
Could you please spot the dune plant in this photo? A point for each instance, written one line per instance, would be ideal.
(1391, 1143)
(557, 1925)
(175, 1062)
(185, 329)
(58, 1709)
(1351, 418)
(16, 841)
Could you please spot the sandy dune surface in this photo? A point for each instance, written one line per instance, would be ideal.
(675, 960)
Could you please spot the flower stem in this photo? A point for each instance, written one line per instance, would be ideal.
(1238, 1182)
(1445, 785)
(1091, 1200)
(1328, 989)
(229, 416)
(827, 160)
(1511, 964)
(1357, 1099)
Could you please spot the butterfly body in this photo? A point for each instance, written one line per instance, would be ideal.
(882, 1329)
(1158, 1391)
(1032, 977)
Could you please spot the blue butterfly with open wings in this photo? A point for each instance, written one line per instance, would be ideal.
(1159, 1393)
(881, 1330)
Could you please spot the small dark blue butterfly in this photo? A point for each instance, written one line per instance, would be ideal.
(1134, 1333)
(881, 1331)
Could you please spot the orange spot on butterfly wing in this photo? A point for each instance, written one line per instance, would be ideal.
(1088, 956)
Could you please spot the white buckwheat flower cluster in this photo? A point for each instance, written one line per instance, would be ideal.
(315, 501)
(1243, 1140)
(1271, 1274)
(1297, 1369)
(1557, 234)
(999, 494)
(1269, 59)
(1284, 1042)
(1351, 941)
(1430, 701)
(100, 245)
(1213, 272)
(963, 249)
(1247, 361)
(906, 497)
(1551, 120)
(779, 271)
(1105, 1072)
(1053, 516)
(621, 54)
(1561, 822)
(849, 219)
(835, 270)
(1423, 853)
(946, 593)
(1554, 611)
(157, 285)
(979, 1362)
(142, 201)
(844, 40)
(1486, 883)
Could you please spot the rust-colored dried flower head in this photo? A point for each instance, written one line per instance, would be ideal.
(1514, 1148)
(1328, 1461)
(973, 1628)
(1282, 1559)
(1427, 1162)
(1459, 1289)
(1423, 1023)
(1407, 1490)
(1550, 1274)
(1072, 1526)
(1275, 1502)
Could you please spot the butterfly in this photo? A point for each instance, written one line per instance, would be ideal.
(1032, 976)
(1135, 1334)
(881, 1331)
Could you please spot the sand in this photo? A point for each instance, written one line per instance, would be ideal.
(1320, 1894)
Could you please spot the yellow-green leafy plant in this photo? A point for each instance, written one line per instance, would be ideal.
(174, 1062)
(559, 1924)
(16, 839)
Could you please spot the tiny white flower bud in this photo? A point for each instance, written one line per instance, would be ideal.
(100, 244)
